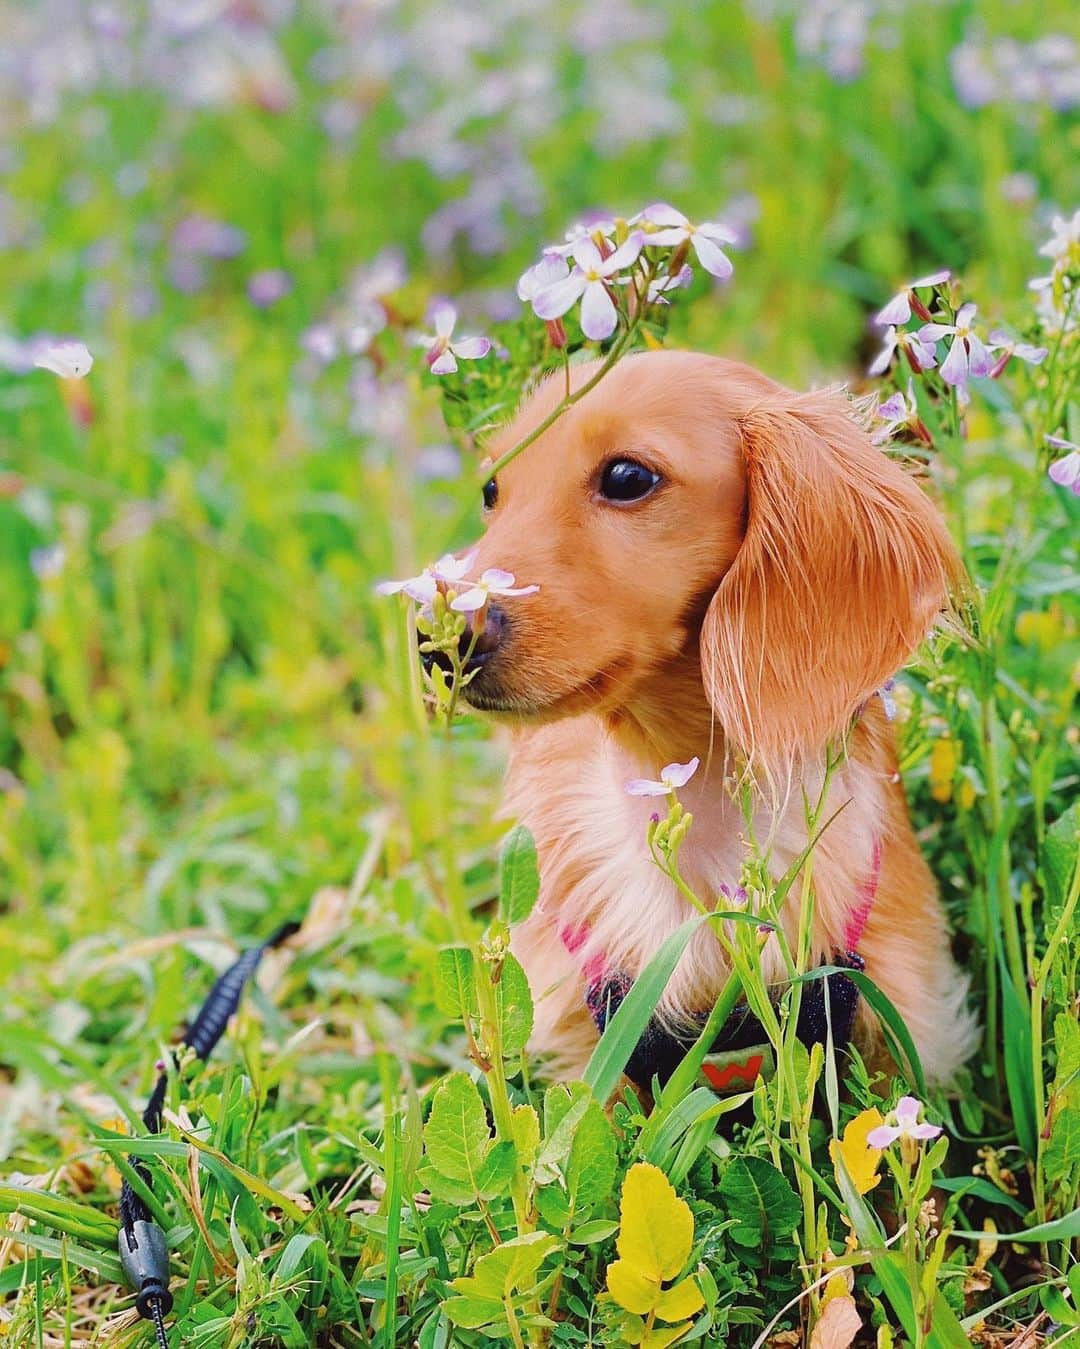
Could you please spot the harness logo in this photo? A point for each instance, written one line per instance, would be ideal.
(738, 1069)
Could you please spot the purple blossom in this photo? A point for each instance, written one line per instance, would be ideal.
(493, 581)
(267, 287)
(906, 1125)
(589, 282)
(899, 308)
(1007, 347)
(968, 357)
(443, 353)
(1066, 471)
(208, 238)
(673, 776)
(920, 354)
(668, 227)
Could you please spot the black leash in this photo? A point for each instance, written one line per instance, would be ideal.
(144, 1252)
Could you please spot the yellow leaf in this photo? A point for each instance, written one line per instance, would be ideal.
(836, 1287)
(660, 1336)
(656, 1228)
(944, 760)
(987, 1246)
(860, 1159)
(838, 1324)
(631, 1289)
(681, 1301)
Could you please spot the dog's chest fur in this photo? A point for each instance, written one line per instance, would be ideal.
(603, 895)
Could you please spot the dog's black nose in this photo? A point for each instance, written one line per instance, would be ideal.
(484, 644)
(475, 650)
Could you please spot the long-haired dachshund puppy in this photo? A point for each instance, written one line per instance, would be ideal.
(730, 571)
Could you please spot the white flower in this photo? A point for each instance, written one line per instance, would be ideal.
(423, 588)
(1065, 237)
(1065, 472)
(906, 1117)
(493, 581)
(920, 354)
(668, 227)
(899, 308)
(588, 282)
(899, 412)
(69, 360)
(659, 288)
(1008, 347)
(604, 226)
(967, 356)
(443, 353)
(551, 268)
(672, 777)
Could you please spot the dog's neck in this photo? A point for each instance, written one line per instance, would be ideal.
(668, 720)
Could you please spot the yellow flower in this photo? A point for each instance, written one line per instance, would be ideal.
(860, 1160)
(944, 759)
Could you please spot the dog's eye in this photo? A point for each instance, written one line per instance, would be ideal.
(491, 493)
(627, 480)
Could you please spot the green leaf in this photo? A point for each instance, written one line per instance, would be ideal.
(475, 1313)
(519, 876)
(60, 1213)
(1062, 1153)
(1059, 860)
(627, 1026)
(509, 1268)
(1016, 1023)
(99, 1262)
(593, 1231)
(590, 1170)
(1061, 1229)
(761, 1202)
(513, 1001)
(455, 985)
(456, 1136)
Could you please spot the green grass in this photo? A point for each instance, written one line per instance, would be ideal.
(209, 724)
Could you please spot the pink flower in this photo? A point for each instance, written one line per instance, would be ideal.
(443, 353)
(493, 581)
(1008, 347)
(920, 354)
(672, 777)
(899, 308)
(906, 1117)
(1065, 472)
(667, 227)
(589, 282)
(968, 357)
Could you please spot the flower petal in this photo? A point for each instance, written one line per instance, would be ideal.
(552, 302)
(470, 600)
(898, 310)
(965, 314)
(924, 1131)
(934, 279)
(587, 256)
(443, 315)
(934, 332)
(1066, 472)
(883, 359)
(711, 256)
(954, 368)
(679, 774)
(980, 360)
(645, 787)
(660, 213)
(444, 363)
(69, 360)
(882, 1136)
(598, 313)
(471, 348)
(893, 409)
(625, 254)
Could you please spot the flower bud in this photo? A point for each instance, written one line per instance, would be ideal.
(919, 308)
(678, 258)
(556, 332)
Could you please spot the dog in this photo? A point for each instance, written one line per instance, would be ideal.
(727, 571)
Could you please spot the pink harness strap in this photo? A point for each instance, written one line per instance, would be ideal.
(864, 902)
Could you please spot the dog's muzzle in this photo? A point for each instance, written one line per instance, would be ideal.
(483, 648)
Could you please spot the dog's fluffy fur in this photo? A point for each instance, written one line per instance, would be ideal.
(745, 612)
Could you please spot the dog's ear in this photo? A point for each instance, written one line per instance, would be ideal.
(843, 568)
